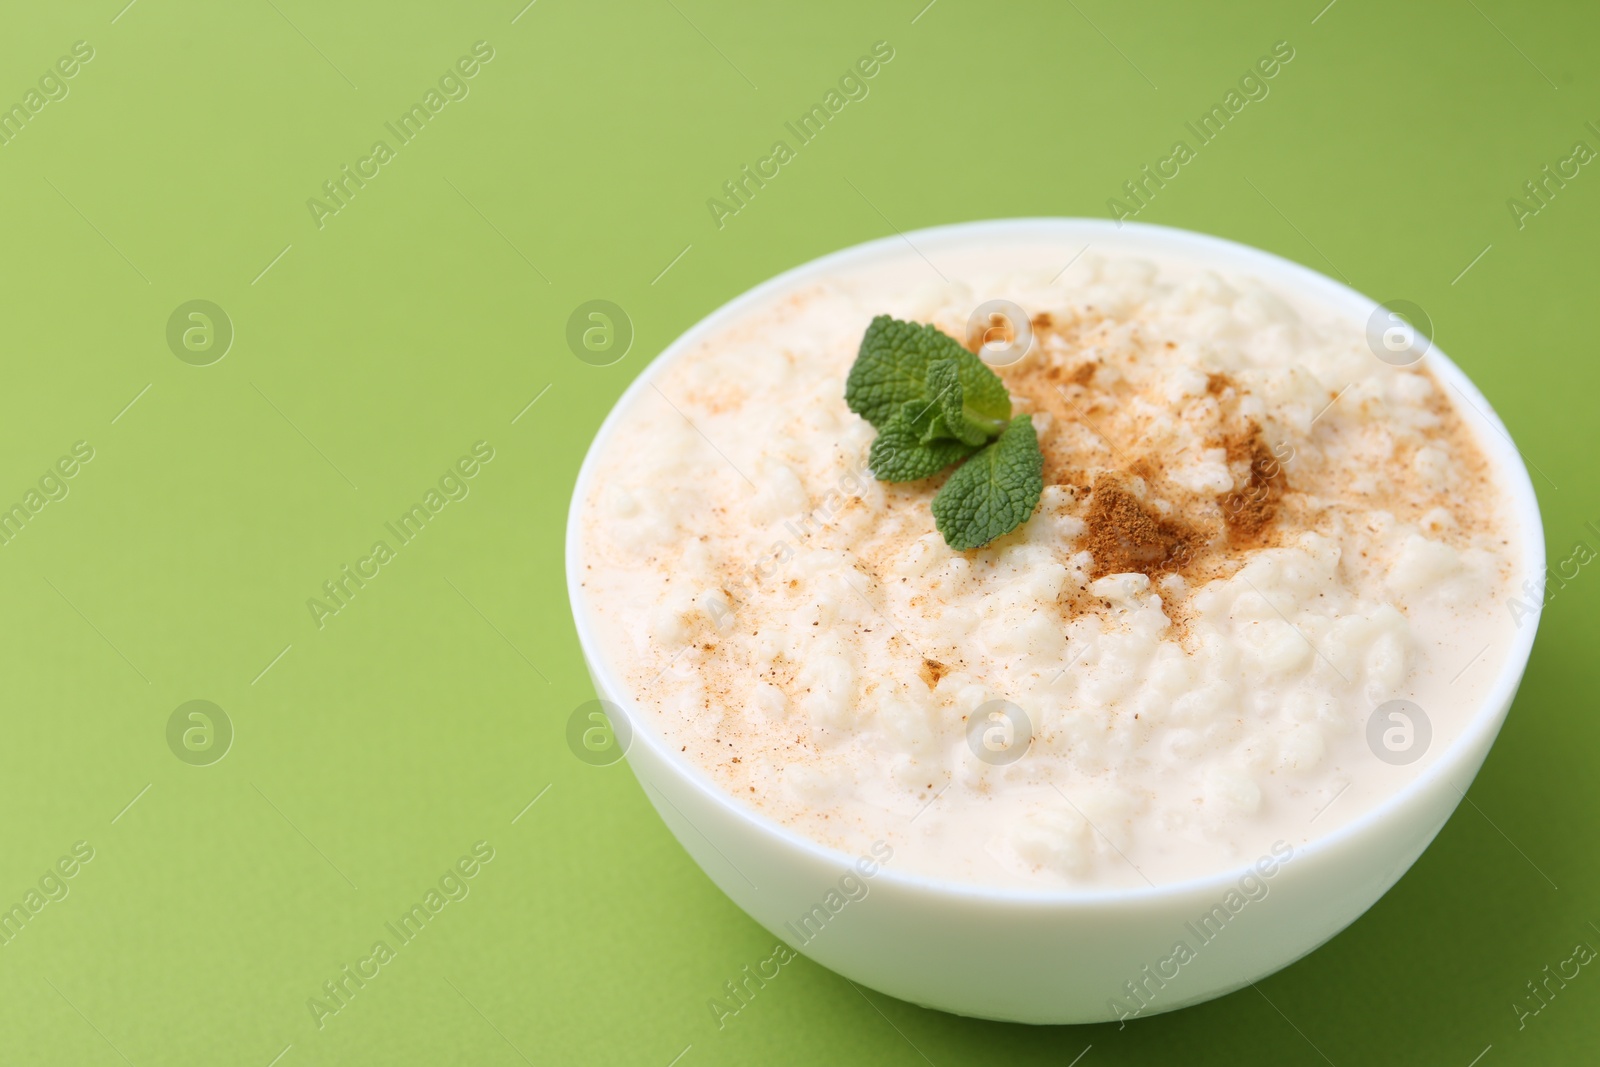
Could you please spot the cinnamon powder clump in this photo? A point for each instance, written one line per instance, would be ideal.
(1250, 513)
(1083, 373)
(1124, 535)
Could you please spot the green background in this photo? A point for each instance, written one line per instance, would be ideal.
(425, 316)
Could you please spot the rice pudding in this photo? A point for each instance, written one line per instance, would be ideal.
(1252, 533)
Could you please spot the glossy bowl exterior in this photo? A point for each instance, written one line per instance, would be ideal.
(1059, 956)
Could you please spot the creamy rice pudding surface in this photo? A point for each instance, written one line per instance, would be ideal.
(1252, 533)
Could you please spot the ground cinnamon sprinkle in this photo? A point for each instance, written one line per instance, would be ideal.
(1250, 512)
(1083, 373)
(1085, 434)
(1123, 535)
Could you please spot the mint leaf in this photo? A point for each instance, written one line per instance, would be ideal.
(994, 492)
(956, 419)
(903, 452)
(985, 396)
(892, 368)
(935, 404)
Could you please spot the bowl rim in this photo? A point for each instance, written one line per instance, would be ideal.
(1203, 249)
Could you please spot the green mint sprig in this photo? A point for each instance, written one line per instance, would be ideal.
(935, 404)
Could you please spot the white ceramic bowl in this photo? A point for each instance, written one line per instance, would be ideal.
(1058, 956)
